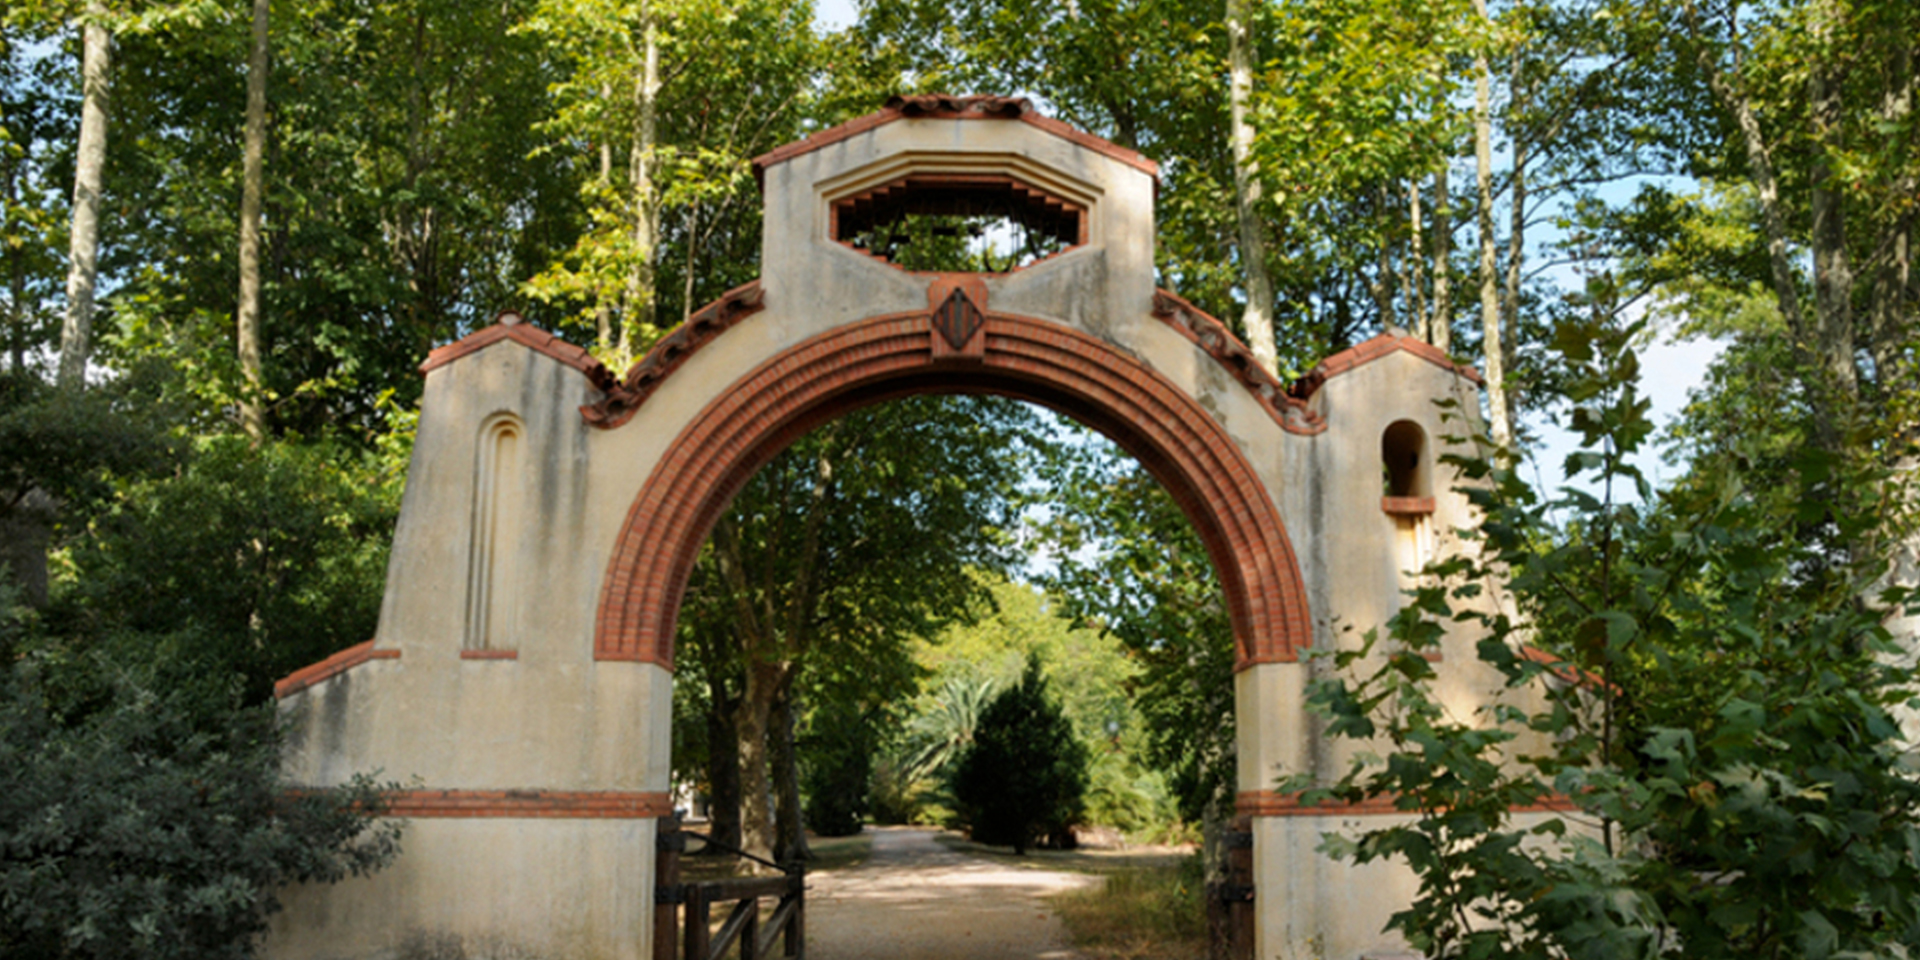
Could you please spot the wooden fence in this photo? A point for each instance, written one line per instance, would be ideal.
(683, 912)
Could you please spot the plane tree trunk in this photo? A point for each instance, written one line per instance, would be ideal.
(90, 161)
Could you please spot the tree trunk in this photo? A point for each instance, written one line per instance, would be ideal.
(753, 722)
(1832, 270)
(1216, 821)
(1258, 317)
(25, 530)
(16, 277)
(76, 333)
(1760, 167)
(640, 280)
(1421, 325)
(1894, 294)
(1516, 243)
(772, 644)
(723, 766)
(693, 245)
(1382, 286)
(792, 832)
(1494, 361)
(1894, 299)
(252, 183)
(1442, 325)
(603, 312)
(1786, 292)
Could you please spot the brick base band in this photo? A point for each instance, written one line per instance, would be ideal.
(1271, 803)
(893, 356)
(530, 804)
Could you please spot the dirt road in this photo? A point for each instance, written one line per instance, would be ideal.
(914, 899)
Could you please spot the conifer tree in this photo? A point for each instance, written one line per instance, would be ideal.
(1025, 775)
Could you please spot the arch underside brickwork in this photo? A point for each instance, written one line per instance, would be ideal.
(894, 356)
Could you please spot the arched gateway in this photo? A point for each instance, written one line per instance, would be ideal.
(521, 680)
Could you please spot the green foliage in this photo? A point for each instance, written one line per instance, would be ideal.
(909, 782)
(1704, 688)
(36, 121)
(404, 199)
(1024, 777)
(142, 815)
(71, 445)
(1089, 671)
(863, 534)
(271, 558)
(1130, 566)
(1125, 795)
(736, 80)
(860, 537)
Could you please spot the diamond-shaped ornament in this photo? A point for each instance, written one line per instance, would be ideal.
(958, 319)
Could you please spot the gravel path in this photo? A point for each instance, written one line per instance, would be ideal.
(914, 899)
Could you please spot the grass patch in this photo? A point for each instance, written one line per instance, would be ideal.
(1142, 912)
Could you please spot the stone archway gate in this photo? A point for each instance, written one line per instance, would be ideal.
(521, 679)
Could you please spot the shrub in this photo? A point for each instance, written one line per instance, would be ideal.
(135, 822)
(1025, 775)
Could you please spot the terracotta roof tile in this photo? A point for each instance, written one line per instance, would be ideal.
(1367, 351)
(511, 326)
(329, 668)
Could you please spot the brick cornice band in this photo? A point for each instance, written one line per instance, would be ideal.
(893, 356)
(1272, 803)
(1212, 336)
(329, 668)
(530, 804)
(621, 397)
(510, 326)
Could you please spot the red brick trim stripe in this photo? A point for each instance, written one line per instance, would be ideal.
(329, 668)
(891, 356)
(943, 107)
(1272, 803)
(489, 654)
(1367, 351)
(530, 804)
(510, 326)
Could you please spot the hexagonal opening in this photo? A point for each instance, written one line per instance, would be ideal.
(959, 223)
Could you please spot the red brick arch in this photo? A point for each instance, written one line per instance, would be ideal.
(899, 355)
